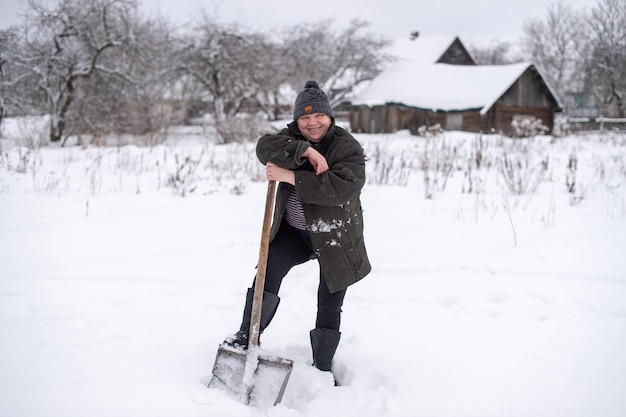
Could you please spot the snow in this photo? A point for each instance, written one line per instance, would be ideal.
(115, 291)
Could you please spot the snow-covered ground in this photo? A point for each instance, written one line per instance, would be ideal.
(115, 291)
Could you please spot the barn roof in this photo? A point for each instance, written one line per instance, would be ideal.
(441, 86)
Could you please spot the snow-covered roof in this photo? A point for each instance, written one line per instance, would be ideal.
(426, 50)
(441, 86)
(416, 80)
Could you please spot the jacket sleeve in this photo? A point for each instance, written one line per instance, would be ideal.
(282, 150)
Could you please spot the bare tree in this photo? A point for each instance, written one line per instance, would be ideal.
(497, 53)
(63, 44)
(340, 60)
(606, 55)
(226, 65)
(357, 58)
(278, 69)
(555, 46)
(220, 59)
(6, 42)
(134, 88)
(18, 93)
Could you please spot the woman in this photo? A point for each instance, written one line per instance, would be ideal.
(317, 215)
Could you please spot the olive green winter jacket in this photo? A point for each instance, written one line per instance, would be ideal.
(331, 201)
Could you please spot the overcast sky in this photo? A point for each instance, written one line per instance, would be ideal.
(475, 21)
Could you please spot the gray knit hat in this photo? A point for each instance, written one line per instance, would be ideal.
(311, 100)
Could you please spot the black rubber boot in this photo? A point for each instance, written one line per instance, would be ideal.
(268, 309)
(324, 343)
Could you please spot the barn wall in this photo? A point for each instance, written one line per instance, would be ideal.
(503, 115)
(529, 91)
(474, 122)
(388, 119)
(392, 118)
(356, 116)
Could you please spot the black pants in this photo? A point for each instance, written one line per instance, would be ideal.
(292, 247)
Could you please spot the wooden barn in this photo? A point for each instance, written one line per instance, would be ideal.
(445, 87)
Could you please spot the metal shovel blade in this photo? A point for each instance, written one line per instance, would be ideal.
(254, 377)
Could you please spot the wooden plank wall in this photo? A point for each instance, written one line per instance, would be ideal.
(392, 118)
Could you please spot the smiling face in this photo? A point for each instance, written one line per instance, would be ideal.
(314, 126)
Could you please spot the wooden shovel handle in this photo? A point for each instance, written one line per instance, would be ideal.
(257, 301)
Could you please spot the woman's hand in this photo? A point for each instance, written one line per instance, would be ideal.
(317, 160)
(276, 173)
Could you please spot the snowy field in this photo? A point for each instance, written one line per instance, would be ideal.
(502, 294)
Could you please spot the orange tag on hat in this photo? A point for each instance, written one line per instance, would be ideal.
(308, 109)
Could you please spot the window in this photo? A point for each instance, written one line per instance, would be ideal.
(454, 121)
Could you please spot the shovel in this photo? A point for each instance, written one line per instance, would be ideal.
(256, 377)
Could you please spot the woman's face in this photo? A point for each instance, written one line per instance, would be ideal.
(314, 126)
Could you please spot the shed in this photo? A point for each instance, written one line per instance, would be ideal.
(474, 98)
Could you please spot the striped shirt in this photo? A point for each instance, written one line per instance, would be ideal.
(294, 212)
